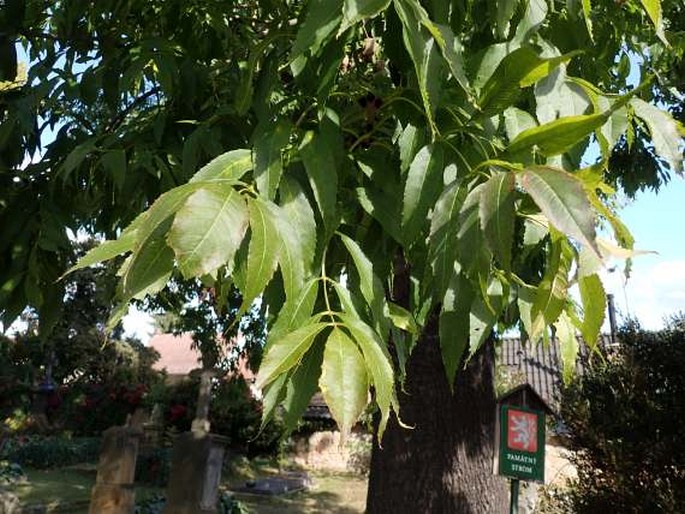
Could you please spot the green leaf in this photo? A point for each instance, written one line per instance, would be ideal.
(269, 142)
(285, 352)
(382, 207)
(442, 249)
(411, 140)
(423, 186)
(402, 318)
(594, 300)
(525, 299)
(553, 288)
(230, 166)
(164, 208)
(424, 55)
(558, 136)
(454, 324)
(378, 364)
(663, 128)
(568, 345)
(150, 264)
(533, 18)
(105, 251)
(302, 385)
(345, 297)
(344, 380)
(472, 251)
(451, 49)
(295, 311)
(321, 20)
(497, 215)
(319, 161)
(75, 159)
(484, 313)
(653, 8)
(370, 285)
(558, 96)
(244, 95)
(263, 252)
(355, 11)
(273, 395)
(519, 69)
(297, 227)
(563, 200)
(517, 121)
(587, 15)
(208, 229)
(505, 11)
(114, 163)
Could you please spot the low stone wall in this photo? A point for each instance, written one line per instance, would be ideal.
(558, 470)
(323, 451)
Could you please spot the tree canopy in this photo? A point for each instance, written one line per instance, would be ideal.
(359, 166)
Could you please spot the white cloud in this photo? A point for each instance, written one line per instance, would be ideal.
(654, 291)
(138, 324)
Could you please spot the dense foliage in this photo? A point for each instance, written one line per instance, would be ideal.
(39, 452)
(364, 167)
(494, 211)
(625, 419)
(90, 379)
(234, 413)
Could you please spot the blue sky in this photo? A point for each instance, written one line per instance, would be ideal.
(657, 284)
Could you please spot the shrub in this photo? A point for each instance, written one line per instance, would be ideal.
(153, 467)
(233, 413)
(226, 504)
(625, 418)
(10, 473)
(48, 452)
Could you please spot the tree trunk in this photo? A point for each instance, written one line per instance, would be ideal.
(444, 464)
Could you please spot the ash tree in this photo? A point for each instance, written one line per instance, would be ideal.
(396, 182)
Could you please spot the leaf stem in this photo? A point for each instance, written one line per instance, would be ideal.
(325, 279)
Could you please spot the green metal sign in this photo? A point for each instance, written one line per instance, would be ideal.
(522, 443)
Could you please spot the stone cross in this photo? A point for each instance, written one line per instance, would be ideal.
(204, 396)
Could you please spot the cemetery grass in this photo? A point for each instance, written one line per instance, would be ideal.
(333, 493)
(64, 490)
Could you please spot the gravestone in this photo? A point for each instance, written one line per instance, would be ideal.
(153, 429)
(9, 503)
(196, 462)
(113, 491)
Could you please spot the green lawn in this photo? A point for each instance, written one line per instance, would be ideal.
(55, 486)
(66, 488)
(331, 493)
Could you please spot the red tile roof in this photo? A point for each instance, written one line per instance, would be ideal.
(178, 357)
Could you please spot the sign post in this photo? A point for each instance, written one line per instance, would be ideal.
(521, 439)
(522, 443)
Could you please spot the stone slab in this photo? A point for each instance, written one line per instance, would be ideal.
(112, 499)
(196, 464)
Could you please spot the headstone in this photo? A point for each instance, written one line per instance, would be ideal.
(154, 428)
(196, 464)
(9, 503)
(204, 397)
(113, 491)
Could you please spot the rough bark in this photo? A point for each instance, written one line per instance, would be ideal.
(444, 464)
